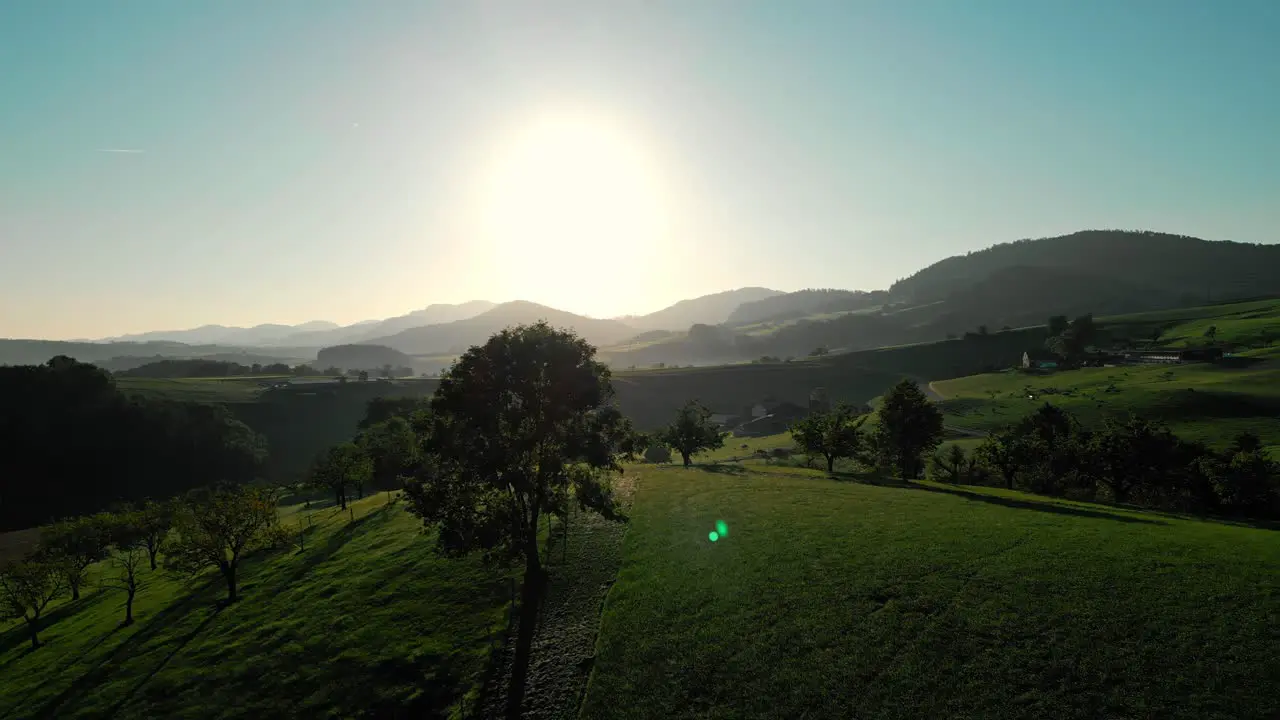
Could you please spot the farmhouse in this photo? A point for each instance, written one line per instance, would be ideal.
(1039, 360)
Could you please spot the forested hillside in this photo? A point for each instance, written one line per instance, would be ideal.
(75, 444)
(804, 302)
(1187, 268)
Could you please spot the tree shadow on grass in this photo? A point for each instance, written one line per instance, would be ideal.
(331, 546)
(20, 634)
(88, 682)
(723, 469)
(177, 647)
(1046, 507)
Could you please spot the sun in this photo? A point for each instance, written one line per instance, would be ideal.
(565, 192)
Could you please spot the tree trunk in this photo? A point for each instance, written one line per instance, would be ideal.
(1008, 480)
(342, 497)
(229, 572)
(530, 594)
(685, 455)
(151, 554)
(34, 625)
(128, 607)
(75, 591)
(831, 464)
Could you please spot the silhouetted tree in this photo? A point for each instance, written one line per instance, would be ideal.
(76, 544)
(363, 375)
(385, 408)
(833, 435)
(1130, 455)
(910, 426)
(155, 520)
(26, 589)
(1058, 324)
(1005, 452)
(1211, 333)
(518, 426)
(692, 432)
(339, 468)
(128, 533)
(391, 447)
(218, 527)
(952, 466)
(1246, 483)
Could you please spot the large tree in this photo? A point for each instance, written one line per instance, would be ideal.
(155, 520)
(519, 426)
(833, 435)
(391, 447)
(340, 468)
(218, 527)
(692, 432)
(26, 589)
(128, 533)
(910, 426)
(1005, 451)
(77, 544)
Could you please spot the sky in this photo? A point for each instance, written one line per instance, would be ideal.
(171, 164)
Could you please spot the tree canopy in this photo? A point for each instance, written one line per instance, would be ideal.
(692, 432)
(519, 427)
(834, 435)
(910, 426)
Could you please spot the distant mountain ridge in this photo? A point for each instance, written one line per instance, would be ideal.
(222, 334)
(1017, 283)
(711, 309)
(461, 334)
(316, 333)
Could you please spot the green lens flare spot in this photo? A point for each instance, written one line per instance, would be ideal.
(722, 528)
(713, 536)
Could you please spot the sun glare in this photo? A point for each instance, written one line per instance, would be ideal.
(566, 191)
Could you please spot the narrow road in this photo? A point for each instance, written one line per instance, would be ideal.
(932, 393)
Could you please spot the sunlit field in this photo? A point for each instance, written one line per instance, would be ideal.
(838, 599)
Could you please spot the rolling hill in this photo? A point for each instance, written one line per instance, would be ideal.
(803, 302)
(461, 334)
(266, 334)
(362, 357)
(1188, 268)
(711, 309)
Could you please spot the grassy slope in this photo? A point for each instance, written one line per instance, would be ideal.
(365, 620)
(835, 599)
(1238, 323)
(1201, 401)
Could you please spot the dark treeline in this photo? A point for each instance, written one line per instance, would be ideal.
(197, 368)
(74, 444)
(1132, 461)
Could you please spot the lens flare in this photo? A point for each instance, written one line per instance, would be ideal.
(713, 536)
(722, 529)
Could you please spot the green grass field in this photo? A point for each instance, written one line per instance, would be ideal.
(365, 621)
(1246, 324)
(839, 599)
(1207, 402)
(224, 390)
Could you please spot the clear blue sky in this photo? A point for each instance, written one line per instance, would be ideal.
(304, 159)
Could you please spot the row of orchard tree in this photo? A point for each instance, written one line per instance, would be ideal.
(1051, 453)
(208, 528)
(1127, 461)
